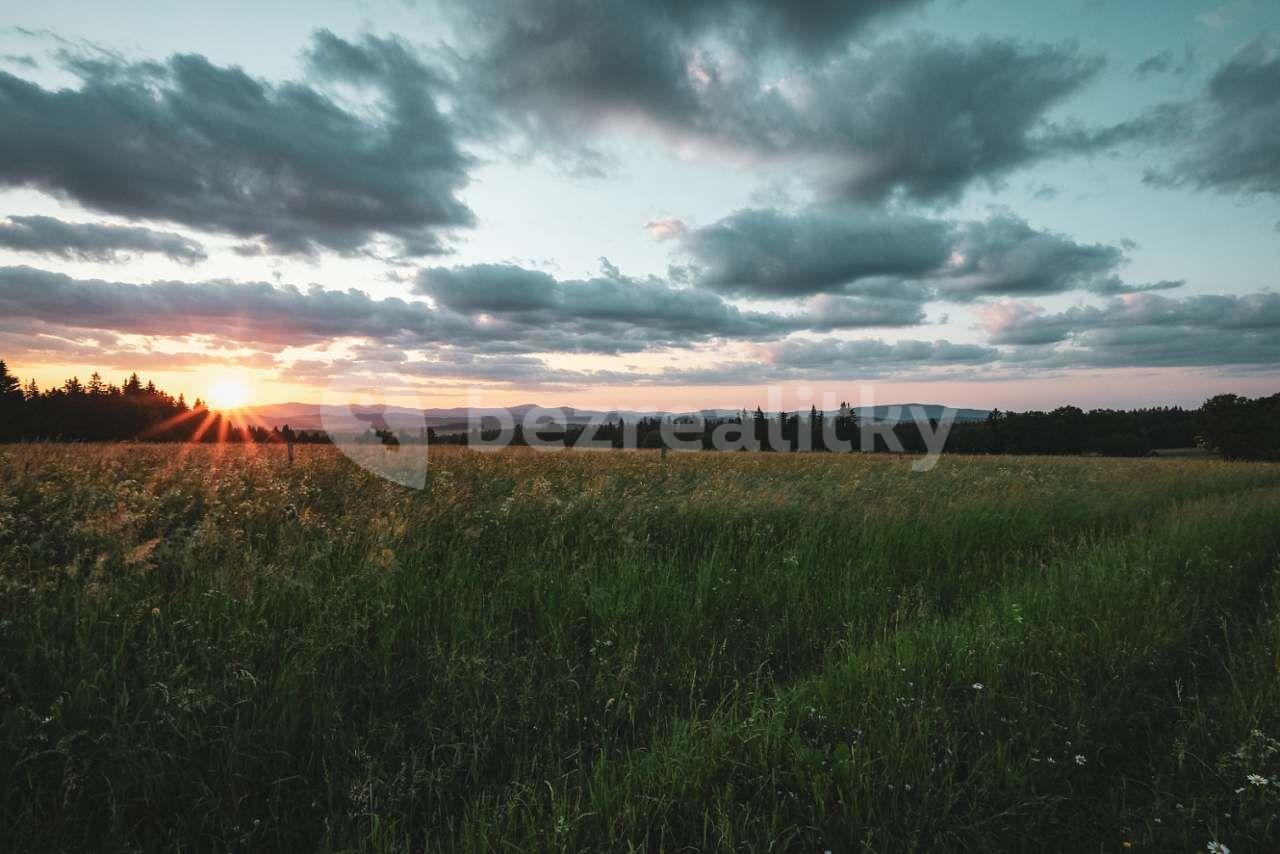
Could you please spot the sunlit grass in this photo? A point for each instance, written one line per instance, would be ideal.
(613, 650)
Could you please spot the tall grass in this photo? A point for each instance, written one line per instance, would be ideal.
(209, 648)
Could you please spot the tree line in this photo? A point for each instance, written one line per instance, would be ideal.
(1229, 425)
(1232, 426)
(98, 411)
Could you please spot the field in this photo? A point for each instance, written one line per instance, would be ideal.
(209, 648)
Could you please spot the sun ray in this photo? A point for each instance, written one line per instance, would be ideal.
(193, 441)
(180, 418)
(209, 418)
(223, 425)
(272, 436)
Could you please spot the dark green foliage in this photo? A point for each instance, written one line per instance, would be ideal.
(1069, 430)
(11, 401)
(1240, 428)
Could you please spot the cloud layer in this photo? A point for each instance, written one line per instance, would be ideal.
(920, 116)
(496, 308)
(1147, 330)
(215, 149)
(767, 253)
(496, 323)
(1234, 146)
(45, 235)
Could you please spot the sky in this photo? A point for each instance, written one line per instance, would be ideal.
(646, 204)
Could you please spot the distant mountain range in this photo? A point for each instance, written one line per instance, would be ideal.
(313, 416)
(931, 410)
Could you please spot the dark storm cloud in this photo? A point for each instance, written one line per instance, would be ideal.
(1006, 256)
(238, 312)
(499, 288)
(215, 149)
(811, 27)
(922, 116)
(1235, 146)
(44, 235)
(768, 253)
(609, 305)
(614, 304)
(597, 57)
(1148, 330)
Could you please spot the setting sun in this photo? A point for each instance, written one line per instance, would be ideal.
(228, 394)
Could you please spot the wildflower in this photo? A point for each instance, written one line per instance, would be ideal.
(978, 686)
(1080, 760)
(1217, 847)
(1257, 780)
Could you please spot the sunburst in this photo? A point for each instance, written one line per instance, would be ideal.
(228, 394)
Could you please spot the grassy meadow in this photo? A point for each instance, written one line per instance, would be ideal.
(206, 648)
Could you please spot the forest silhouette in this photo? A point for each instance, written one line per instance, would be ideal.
(1230, 425)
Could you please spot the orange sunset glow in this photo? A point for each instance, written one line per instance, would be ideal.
(229, 394)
